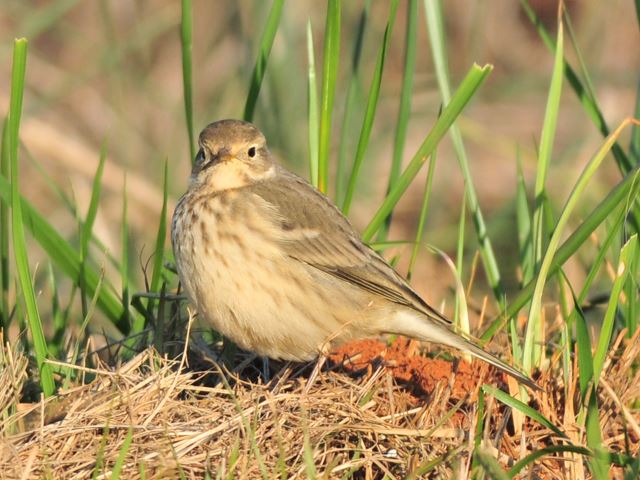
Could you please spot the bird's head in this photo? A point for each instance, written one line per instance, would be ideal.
(232, 154)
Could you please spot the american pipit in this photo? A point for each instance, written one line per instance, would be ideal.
(271, 263)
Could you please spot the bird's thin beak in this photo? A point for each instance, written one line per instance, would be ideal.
(224, 157)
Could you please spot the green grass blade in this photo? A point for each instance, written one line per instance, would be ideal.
(312, 108)
(627, 254)
(158, 261)
(523, 408)
(585, 358)
(468, 87)
(122, 454)
(353, 95)
(92, 210)
(424, 209)
(370, 113)
(461, 319)
(158, 252)
(98, 464)
(612, 234)
(310, 466)
(523, 221)
(590, 90)
(480, 413)
(124, 261)
(634, 143)
(331, 57)
(489, 465)
(536, 300)
(435, 30)
(86, 231)
(65, 256)
(546, 148)
(632, 292)
(598, 464)
(5, 219)
(17, 221)
(69, 372)
(588, 102)
(43, 18)
(266, 42)
(404, 111)
(55, 344)
(626, 190)
(427, 466)
(543, 452)
(186, 42)
(532, 351)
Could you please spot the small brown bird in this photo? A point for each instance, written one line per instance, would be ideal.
(272, 264)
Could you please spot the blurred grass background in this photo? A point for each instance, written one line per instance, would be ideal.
(110, 71)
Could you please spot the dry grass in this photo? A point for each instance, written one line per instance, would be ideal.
(186, 421)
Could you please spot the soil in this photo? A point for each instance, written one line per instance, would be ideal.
(416, 372)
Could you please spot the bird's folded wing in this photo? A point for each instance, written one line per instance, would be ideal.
(312, 230)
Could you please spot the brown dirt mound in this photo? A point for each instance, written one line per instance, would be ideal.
(420, 374)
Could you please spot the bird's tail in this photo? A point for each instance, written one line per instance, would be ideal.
(414, 324)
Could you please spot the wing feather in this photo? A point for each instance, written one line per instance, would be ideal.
(315, 232)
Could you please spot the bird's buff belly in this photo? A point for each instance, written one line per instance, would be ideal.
(245, 289)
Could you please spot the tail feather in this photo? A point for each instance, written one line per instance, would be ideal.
(415, 325)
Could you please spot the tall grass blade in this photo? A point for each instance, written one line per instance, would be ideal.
(422, 218)
(532, 351)
(370, 113)
(632, 293)
(186, 42)
(55, 344)
(543, 452)
(588, 102)
(158, 252)
(122, 454)
(598, 464)
(626, 190)
(461, 318)
(468, 87)
(266, 42)
(585, 358)
(627, 255)
(489, 465)
(45, 16)
(86, 232)
(124, 261)
(404, 111)
(523, 408)
(65, 256)
(438, 48)
(5, 219)
(546, 148)
(634, 143)
(331, 57)
(523, 221)
(353, 95)
(611, 235)
(528, 360)
(17, 221)
(312, 108)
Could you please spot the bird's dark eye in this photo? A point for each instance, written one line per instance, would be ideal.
(200, 156)
(252, 152)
